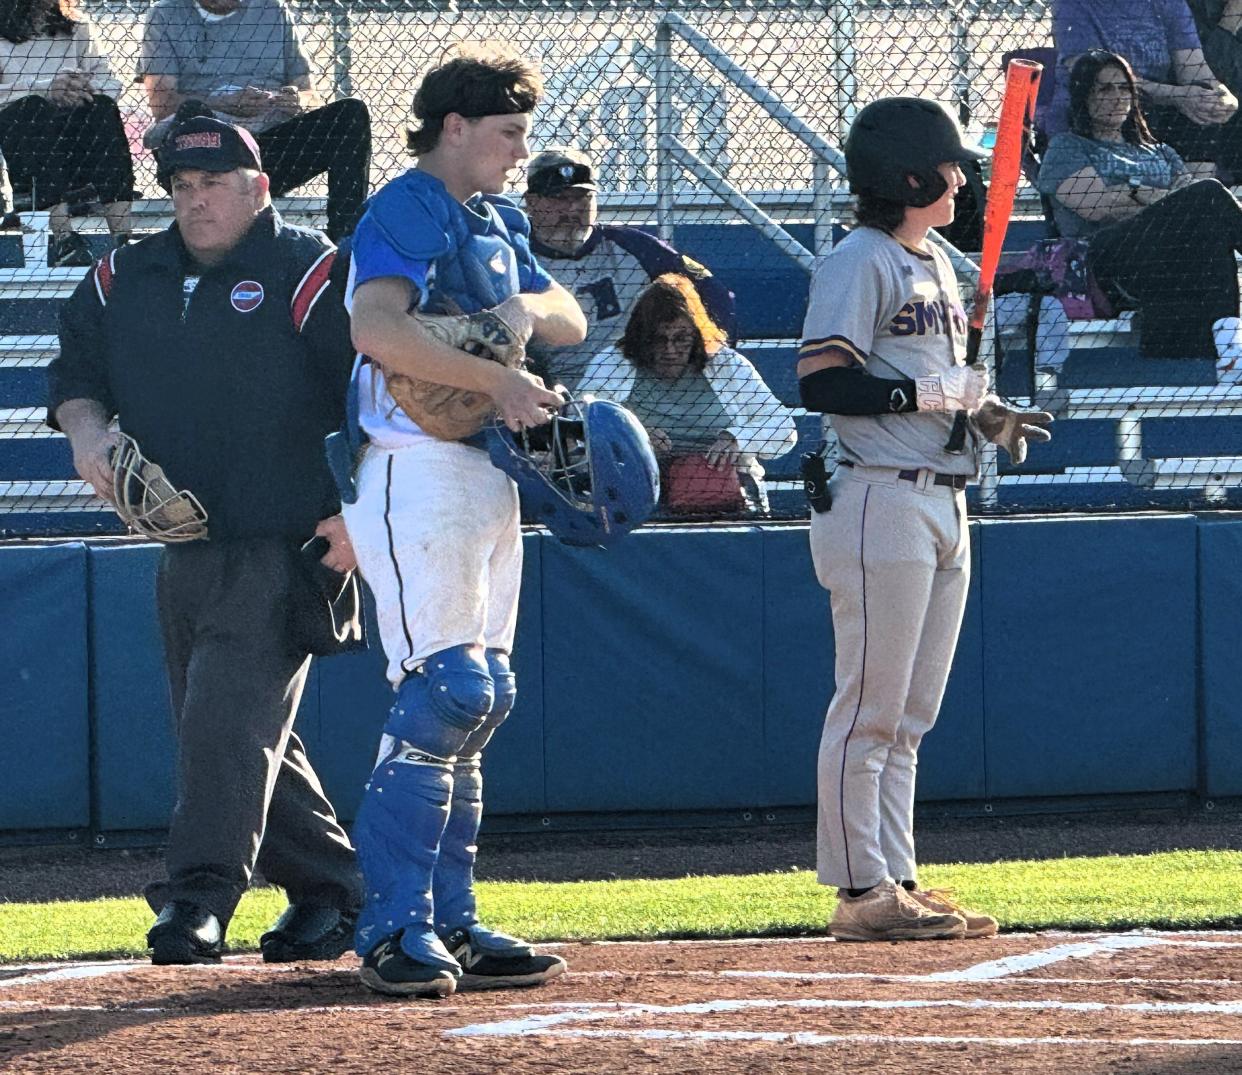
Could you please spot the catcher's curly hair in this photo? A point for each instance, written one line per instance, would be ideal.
(476, 79)
(669, 298)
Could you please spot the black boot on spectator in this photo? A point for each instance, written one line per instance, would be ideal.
(185, 933)
(69, 251)
(306, 931)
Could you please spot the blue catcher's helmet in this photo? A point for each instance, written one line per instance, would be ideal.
(589, 476)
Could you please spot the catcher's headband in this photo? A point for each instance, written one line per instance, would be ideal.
(148, 503)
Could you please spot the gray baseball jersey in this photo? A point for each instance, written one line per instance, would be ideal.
(897, 311)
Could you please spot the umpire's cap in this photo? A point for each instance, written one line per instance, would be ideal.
(207, 144)
(897, 139)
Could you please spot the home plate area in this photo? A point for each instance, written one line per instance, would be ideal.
(1135, 1002)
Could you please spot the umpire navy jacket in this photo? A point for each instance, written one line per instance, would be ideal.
(232, 387)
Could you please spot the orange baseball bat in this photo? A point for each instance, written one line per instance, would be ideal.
(1017, 110)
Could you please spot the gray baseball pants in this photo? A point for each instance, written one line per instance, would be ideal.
(895, 555)
(246, 792)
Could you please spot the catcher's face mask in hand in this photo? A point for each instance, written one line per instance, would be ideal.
(589, 476)
(148, 503)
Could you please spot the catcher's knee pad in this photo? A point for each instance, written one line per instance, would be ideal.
(444, 702)
(504, 692)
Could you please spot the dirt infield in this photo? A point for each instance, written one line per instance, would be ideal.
(1081, 1003)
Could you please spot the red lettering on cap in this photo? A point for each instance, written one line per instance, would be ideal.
(199, 140)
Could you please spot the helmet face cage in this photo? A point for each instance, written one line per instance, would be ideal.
(589, 475)
(561, 452)
(148, 503)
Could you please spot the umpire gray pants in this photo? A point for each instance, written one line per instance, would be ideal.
(895, 555)
(246, 792)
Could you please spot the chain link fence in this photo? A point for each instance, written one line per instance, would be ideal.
(716, 126)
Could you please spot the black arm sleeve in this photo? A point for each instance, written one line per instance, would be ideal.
(79, 371)
(851, 390)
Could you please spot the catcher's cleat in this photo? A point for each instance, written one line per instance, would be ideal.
(185, 933)
(495, 961)
(941, 901)
(889, 913)
(308, 932)
(389, 970)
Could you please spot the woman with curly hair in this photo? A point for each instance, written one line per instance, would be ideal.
(60, 130)
(709, 414)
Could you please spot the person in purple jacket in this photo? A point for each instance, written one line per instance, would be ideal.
(1186, 105)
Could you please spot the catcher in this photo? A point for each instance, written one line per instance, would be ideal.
(434, 523)
(222, 346)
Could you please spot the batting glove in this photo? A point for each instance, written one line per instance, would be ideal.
(1012, 429)
(959, 388)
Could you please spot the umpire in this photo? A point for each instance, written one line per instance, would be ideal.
(222, 347)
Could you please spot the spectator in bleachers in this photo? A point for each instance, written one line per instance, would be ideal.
(60, 130)
(1158, 239)
(1218, 23)
(1186, 105)
(709, 414)
(244, 60)
(605, 266)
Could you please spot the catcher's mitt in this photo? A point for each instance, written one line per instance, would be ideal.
(148, 503)
(455, 413)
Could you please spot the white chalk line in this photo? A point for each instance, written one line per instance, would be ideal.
(427, 1007)
(59, 972)
(801, 1037)
(37, 973)
(609, 1011)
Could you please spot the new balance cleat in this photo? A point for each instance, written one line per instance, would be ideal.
(388, 970)
(496, 961)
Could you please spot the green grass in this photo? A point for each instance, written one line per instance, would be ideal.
(1176, 890)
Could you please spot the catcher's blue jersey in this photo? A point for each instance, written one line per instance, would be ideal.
(459, 259)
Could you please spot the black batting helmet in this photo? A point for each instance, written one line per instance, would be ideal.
(900, 139)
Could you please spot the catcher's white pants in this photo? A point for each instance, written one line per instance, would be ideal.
(438, 539)
(896, 556)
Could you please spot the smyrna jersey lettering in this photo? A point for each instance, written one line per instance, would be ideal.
(895, 311)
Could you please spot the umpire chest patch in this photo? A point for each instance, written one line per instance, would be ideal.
(246, 296)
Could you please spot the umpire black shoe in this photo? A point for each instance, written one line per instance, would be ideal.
(496, 961)
(185, 933)
(306, 931)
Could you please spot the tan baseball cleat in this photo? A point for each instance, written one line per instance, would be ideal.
(941, 901)
(889, 913)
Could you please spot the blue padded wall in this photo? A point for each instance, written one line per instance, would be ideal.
(653, 687)
(351, 703)
(134, 746)
(44, 720)
(951, 759)
(1089, 655)
(1220, 604)
(797, 667)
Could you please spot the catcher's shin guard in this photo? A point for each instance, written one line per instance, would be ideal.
(397, 834)
(454, 874)
(406, 804)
